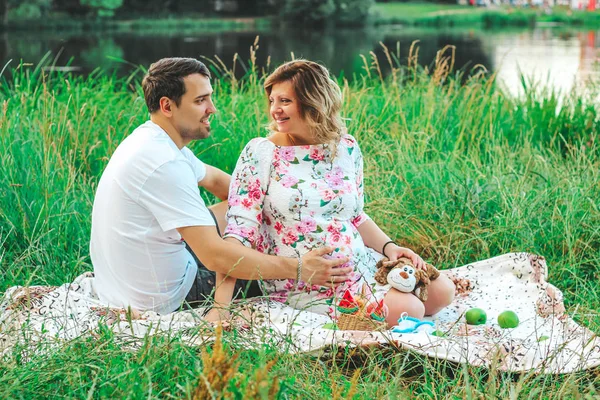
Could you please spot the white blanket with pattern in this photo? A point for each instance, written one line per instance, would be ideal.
(547, 340)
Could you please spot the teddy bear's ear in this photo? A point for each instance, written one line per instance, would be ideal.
(432, 272)
(381, 274)
(381, 262)
(422, 277)
(423, 294)
(385, 262)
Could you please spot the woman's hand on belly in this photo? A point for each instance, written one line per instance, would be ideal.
(319, 270)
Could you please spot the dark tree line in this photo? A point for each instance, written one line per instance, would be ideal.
(295, 11)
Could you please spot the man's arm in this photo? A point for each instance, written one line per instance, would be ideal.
(244, 263)
(216, 182)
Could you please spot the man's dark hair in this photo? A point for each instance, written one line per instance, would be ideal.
(165, 79)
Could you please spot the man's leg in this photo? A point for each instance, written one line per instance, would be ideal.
(202, 291)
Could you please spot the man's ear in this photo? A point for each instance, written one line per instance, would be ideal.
(165, 105)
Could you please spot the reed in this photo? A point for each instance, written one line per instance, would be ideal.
(454, 168)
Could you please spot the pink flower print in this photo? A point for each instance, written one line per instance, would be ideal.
(334, 227)
(316, 154)
(255, 195)
(287, 153)
(335, 178)
(358, 220)
(280, 296)
(278, 227)
(354, 277)
(247, 203)
(289, 284)
(336, 183)
(348, 141)
(259, 218)
(234, 199)
(254, 186)
(260, 244)
(313, 185)
(289, 237)
(307, 225)
(267, 219)
(289, 180)
(335, 238)
(327, 194)
(233, 229)
(302, 286)
(322, 294)
(347, 240)
(248, 233)
(338, 172)
(276, 165)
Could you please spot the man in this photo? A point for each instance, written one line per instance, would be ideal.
(147, 202)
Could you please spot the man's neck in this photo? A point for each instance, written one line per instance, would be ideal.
(166, 126)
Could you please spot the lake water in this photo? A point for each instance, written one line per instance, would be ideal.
(556, 57)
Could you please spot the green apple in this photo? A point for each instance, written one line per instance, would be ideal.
(476, 316)
(508, 319)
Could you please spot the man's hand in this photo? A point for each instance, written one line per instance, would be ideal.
(394, 252)
(322, 271)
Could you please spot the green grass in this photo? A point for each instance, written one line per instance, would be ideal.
(445, 15)
(458, 172)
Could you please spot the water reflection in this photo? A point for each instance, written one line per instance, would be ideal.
(558, 57)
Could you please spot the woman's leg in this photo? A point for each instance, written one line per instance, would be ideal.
(439, 295)
(399, 303)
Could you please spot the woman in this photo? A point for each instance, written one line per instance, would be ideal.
(302, 188)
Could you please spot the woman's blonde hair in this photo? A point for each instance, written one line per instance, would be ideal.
(319, 96)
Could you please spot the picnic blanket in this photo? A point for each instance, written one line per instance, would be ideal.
(547, 340)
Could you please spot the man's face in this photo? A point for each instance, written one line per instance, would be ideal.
(192, 117)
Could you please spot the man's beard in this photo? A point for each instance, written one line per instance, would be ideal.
(196, 134)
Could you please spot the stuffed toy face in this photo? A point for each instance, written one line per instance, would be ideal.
(403, 278)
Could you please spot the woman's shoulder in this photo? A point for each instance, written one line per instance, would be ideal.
(260, 145)
(349, 142)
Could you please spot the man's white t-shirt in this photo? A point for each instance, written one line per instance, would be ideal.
(148, 189)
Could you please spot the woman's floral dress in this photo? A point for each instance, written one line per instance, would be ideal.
(288, 200)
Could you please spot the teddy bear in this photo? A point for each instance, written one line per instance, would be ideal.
(403, 276)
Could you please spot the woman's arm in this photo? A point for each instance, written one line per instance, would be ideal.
(224, 287)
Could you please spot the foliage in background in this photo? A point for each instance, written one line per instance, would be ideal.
(28, 9)
(102, 8)
(354, 12)
(325, 11)
(453, 168)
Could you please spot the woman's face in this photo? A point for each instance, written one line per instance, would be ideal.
(285, 110)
